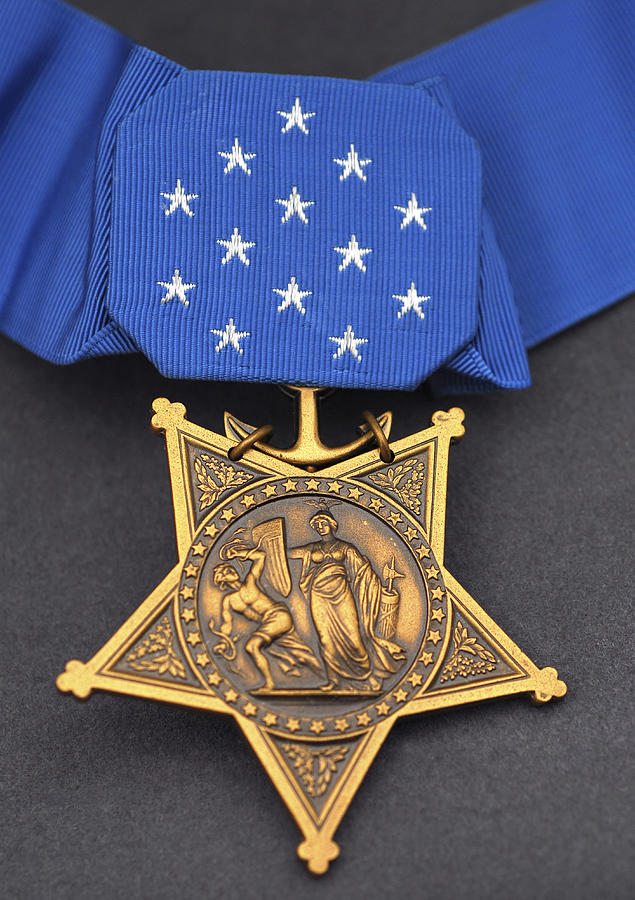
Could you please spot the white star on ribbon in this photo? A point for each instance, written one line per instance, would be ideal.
(348, 343)
(179, 199)
(295, 206)
(292, 295)
(410, 301)
(295, 117)
(229, 337)
(353, 253)
(235, 246)
(176, 288)
(236, 157)
(352, 164)
(413, 213)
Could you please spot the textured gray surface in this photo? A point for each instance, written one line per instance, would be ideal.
(121, 797)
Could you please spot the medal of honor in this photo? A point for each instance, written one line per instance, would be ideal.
(311, 603)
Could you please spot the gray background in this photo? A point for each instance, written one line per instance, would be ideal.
(121, 797)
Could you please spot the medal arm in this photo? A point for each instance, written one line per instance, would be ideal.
(258, 565)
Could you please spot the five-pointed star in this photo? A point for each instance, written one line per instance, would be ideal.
(214, 679)
(187, 593)
(292, 295)
(235, 247)
(436, 593)
(415, 679)
(295, 118)
(383, 708)
(438, 615)
(426, 658)
(294, 205)
(199, 548)
(228, 514)
(352, 253)
(203, 659)
(190, 570)
(248, 500)
(341, 724)
(269, 490)
(435, 637)
(176, 288)
(432, 572)
(229, 337)
(354, 493)
(293, 724)
(410, 301)
(290, 485)
(363, 719)
(187, 614)
(394, 518)
(422, 551)
(316, 726)
(312, 484)
(348, 342)
(211, 530)
(410, 533)
(250, 709)
(352, 164)
(375, 503)
(413, 213)
(236, 157)
(400, 695)
(335, 487)
(193, 638)
(231, 695)
(179, 200)
(270, 719)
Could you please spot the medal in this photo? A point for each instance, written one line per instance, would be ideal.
(311, 603)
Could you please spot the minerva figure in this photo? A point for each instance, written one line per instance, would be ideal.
(344, 596)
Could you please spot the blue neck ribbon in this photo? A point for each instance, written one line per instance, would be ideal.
(433, 222)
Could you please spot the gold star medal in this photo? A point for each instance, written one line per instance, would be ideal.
(311, 603)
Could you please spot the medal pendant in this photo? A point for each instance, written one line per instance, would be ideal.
(310, 602)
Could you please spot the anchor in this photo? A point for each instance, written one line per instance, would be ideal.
(308, 450)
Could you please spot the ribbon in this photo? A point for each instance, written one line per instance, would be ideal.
(431, 223)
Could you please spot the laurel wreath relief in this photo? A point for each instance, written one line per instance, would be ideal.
(215, 477)
(155, 653)
(405, 480)
(469, 657)
(315, 767)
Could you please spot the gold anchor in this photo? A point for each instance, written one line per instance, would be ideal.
(308, 450)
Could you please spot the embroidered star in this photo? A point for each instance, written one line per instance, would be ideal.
(348, 342)
(292, 295)
(316, 726)
(187, 614)
(214, 679)
(235, 246)
(341, 724)
(352, 253)
(435, 637)
(352, 164)
(400, 696)
(363, 719)
(193, 638)
(229, 336)
(176, 288)
(413, 213)
(410, 301)
(295, 206)
(293, 724)
(190, 570)
(178, 199)
(438, 615)
(236, 157)
(211, 530)
(250, 709)
(415, 679)
(270, 719)
(295, 118)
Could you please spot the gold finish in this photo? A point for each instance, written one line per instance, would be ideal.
(308, 451)
(312, 606)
